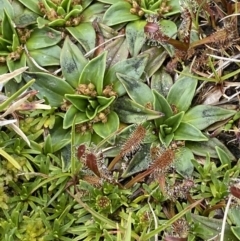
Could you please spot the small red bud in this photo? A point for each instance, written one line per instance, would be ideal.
(151, 28)
(81, 151)
(91, 163)
(235, 191)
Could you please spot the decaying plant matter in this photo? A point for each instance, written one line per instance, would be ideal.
(223, 38)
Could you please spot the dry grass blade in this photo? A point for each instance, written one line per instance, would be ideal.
(6, 77)
(4, 122)
(14, 106)
(20, 133)
(224, 58)
(138, 178)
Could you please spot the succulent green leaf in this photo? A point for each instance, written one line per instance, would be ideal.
(86, 3)
(10, 159)
(60, 137)
(72, 62)
(133, 67)
(234, 215)
(104, 102)
(175, 8)
(68, 160)
(4, 46)
(210, 227)
(168, 27)
(49, 4)
(14, 65)
(94, 71)
(78, 7)
(56, 23)
(42, 22)
(139, 162)
(61, 11)
(166, 139)
(79, 101)
(128, 226)
(50, 87)
(42, 38)
(156, 58)
(188, 132)
(106, 129)
(32, 66)
(85, 35)
(93, 11)
(7, 27)
(236, 231)
(202, 116)
(135, 36)
(209, 147)
(5, 6)
(117, 51)
(15, 42)
(162, 82)
(47, 56)
(183, 163)
(84, 138)
(150, 136)
(131, 112)
(161, 104)
(119, 13)
(91, 112)
(25, 18)
(110, 1)
(31, 4)
(65, 4)
(93, 103)
(174, 121)
(81, 117)
(164, 130)
(153, 6)
(182, 92)
(3, 70)
(95, 138)
(137, 90)
(74, 12)
(47, 147)
(223, 157)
